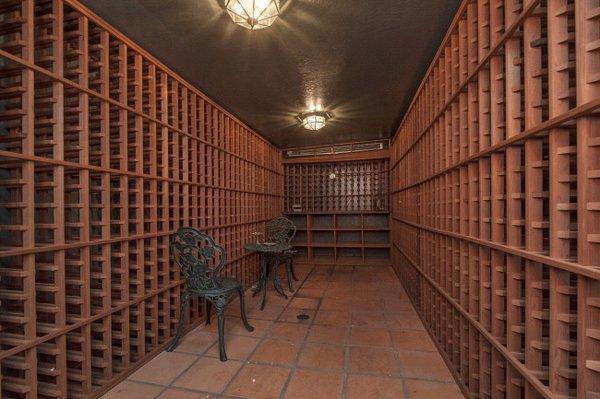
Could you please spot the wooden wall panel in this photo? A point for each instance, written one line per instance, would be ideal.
(104, 153)
(495, 186)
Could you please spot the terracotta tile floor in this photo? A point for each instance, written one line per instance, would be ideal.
(363, 340)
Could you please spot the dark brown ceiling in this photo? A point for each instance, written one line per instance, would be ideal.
(363, 59)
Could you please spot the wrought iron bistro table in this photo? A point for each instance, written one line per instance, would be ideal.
(267, 252)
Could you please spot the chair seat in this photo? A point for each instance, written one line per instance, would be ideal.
(228, 286)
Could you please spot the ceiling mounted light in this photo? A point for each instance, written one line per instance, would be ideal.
(314, 120)
(253, 14)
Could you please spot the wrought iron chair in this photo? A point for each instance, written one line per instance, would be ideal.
(201, 261)
(282, 230)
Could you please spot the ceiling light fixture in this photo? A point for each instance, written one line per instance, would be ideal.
(314, 120)
(253, 14)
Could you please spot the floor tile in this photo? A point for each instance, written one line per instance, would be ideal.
(273, 298)
(372, 387)
(420, 389)
(316, 284)
(370, 336)
(196, 342)
(322, 356)
(328, 334)
(404, 321)
(305, 303)
(133, 390)
(259, 382)
(364, 305)
(276, 351)
(343, 292)
(306, 384)
(174, 393)
(368, 319)
(164, 368)
(270, 312)
(237, 347)
(295, 332)
(372, 360)
(419, 364)
(208, 374)
(398, 306)
(334, 304)
(412, 340)
(260, 328)
(332, 317)
(310, 292)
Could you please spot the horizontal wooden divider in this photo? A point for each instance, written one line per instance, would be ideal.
(495, 198)
(104, 153)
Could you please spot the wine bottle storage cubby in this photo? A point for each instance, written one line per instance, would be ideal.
(104, 153)
(495, 198)
(336, 187)
(356, 239)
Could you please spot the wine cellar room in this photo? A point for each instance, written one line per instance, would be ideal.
(300, 199)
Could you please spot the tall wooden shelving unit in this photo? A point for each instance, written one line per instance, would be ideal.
(104, 154)
(495, 198)
(342, 218)
(342, 238)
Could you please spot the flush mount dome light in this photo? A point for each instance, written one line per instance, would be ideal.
(314, 120)
(253, 14)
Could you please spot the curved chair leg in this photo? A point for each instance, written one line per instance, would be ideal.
(288, 272)
(220, 307)
(208, 309)
(276, 281)
(292, 269)
(263, 262)
(182, 312)
(243, 309)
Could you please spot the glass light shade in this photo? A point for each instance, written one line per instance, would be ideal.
(314, 122)
(253, 14)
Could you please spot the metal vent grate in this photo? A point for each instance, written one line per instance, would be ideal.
(336, 149)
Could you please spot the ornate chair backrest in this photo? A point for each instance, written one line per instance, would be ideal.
(199, 258)
(280, 230)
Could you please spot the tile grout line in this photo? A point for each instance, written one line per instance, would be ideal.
(347, 350)
(295, 364)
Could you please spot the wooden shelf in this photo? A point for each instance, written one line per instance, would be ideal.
(341, 220)
(341, 244)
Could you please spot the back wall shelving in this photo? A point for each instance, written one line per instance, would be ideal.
(340, 210)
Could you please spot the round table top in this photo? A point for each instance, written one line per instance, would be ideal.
(267, 248)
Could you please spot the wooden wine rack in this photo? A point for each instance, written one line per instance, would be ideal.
(342, 219)
(495, 198)
(342, 238)
(336, 186)
(104, 153)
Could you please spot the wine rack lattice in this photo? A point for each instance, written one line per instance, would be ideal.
(104, 153)
(341, 186)
(495, 198)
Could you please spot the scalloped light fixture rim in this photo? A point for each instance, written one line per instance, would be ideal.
(322, 117)
(249, 20)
